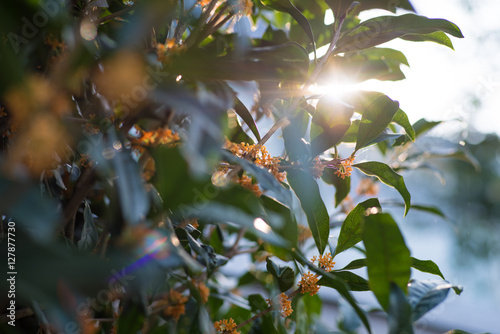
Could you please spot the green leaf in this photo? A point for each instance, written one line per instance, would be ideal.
(426, 208)
(382, 29)
(353, 281)
(423, 296)
(387, 257)
(385, 174)
(436, 37)
(89, 236)
(287, 7)
(355, 264)
(257, 303)
(426, 266)
(334, 117)
(351, 231)
(401, 118)
(307, 190)
(423, 125)
(284, 274)
(342, 186)
(399, 316)
(243, 112)
(119, 165)
(375, 119)
(131, 319)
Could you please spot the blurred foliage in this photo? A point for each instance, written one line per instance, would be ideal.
(134, 170)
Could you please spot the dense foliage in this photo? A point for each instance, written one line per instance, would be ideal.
(135, 167)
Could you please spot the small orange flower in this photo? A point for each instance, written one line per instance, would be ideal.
(176, 306)
(285, 305)
(325, 262)
(304, 233)
(224, 325)
(318, 168)
(308, 283)
(344, 169)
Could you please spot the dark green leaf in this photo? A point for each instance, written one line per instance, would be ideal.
(307, 190)
(257, 303)
(287, 7)
(426, 266)
(355, 264)
(243, 112)
(385, 174)
(423, 296)
(351, 231)
(130, 320)
(401, 118)
(376, 118)
(436, 37)
(399, 317)
(385, 28)
(284, 274)
(89, 236)
(355, 282)
(334, 117)
(342, 186)
(387, 257)
(426, 208)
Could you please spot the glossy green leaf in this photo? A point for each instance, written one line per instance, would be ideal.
(353, 281)
(284, 274)
(89, 236)
(342, 186)
(334, 117)
(307, 190)
(436, 37)
(385, 174)
(425, 208)
(351, 231)
(243, 112)
(423, 296)
(375, 119)
(382, 29)
(287, 7)
(387, 257)
(426, 266)
(422, 125)
(257, 303)
(401, 118)
(355, 264)
(399, 316)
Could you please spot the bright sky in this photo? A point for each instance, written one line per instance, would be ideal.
(443, 84)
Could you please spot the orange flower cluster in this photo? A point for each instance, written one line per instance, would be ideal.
(160, 136)
(169, 48)
(85, 160)
(259, 155)
(309, 283)
(203, 3)
(368, 187)
(244, 7)
(285, 305)
(246, 182)
(325, 262)
(344, 169)
(176, 305)
(318, 168)
(225, 325)
(203, 290)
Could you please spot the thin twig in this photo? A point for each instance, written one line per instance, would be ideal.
(115, 15)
